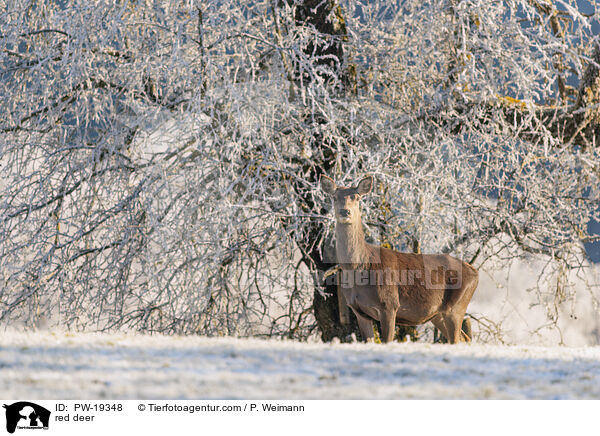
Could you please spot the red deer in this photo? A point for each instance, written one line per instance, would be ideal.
(380, 284)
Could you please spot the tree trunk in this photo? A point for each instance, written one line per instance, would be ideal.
(326, 53)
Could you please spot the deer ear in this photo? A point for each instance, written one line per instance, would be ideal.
(365, 185)
(327, 185)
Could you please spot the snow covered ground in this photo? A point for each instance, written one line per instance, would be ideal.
(53, 365)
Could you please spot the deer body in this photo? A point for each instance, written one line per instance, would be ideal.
(396, 288)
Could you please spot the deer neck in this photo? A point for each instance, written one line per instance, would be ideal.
(351, 246)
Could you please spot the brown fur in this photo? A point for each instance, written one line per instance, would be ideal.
(396, 288)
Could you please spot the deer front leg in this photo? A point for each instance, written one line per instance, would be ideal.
(366, 327)
(388, 325)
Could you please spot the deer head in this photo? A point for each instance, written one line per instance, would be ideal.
(347, 199)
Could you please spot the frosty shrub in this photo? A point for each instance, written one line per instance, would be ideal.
(160, 160)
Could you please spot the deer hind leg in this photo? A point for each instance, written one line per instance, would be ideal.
(466, 331)
(366, 327)
(388, 325)
(453, 323)
(438, 322)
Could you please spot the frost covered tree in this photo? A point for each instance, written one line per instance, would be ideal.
(159, 159)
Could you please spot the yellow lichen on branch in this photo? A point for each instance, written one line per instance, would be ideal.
(511, 102)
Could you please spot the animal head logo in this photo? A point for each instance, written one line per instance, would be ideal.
(24, 414)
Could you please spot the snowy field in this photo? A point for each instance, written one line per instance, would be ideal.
(52, 365)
